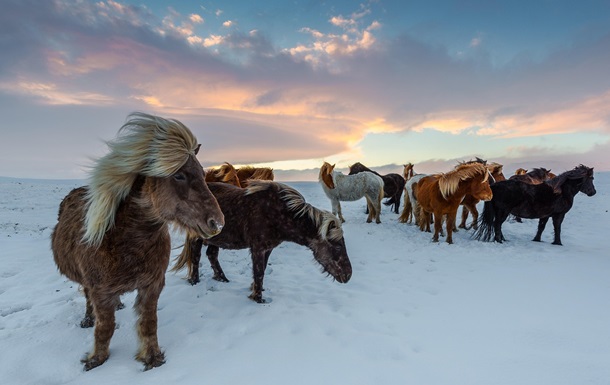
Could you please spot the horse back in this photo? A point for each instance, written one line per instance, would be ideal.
(252, 220)
(526, 200)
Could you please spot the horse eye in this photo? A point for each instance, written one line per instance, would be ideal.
(179, 176)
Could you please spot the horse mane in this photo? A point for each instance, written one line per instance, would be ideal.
(476, 160)
(494, 167)
(449, 182)
(145, 145)
(578, 172)
(326, 176)
(296, 204)
(520, 171)
(264, 173)
(224, 173)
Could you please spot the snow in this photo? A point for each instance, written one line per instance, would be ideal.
(414, 312)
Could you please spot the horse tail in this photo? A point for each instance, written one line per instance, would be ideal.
(405, 216)
(185, 257)
(486, 230)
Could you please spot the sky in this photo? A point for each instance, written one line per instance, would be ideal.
(291, 84)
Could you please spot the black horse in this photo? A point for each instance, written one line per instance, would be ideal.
(393, 184)
(550, 199)
(259, 218)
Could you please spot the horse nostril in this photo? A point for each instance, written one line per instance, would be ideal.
(213, 225)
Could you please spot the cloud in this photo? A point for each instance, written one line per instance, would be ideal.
(228, 23)
(316, 98)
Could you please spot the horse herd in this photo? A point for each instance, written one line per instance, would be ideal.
(112, 235)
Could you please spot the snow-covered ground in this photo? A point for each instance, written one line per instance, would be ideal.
(414, 312)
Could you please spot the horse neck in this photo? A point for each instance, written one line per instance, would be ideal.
(570, 187)
(137, 211)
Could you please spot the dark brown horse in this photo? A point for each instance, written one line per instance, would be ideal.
(226, 173)
(112, 236)
(550, 199)
(441, 194)
(536, 176)
(393, 184)
(469, 204)
(247, 173)
(259, 218)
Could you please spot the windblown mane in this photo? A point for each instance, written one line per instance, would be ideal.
(296, 203)
(224, 173)
(494, 167)
(580, 171)
(448, 182)
(147, 145)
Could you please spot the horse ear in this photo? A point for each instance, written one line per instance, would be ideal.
(333, 166)
(197, 149)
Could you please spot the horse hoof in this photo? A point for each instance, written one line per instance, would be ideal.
(536, 240)
(154, 361)
(193, 281)
(87, 322)
(258, 298)
(557, 243)
(93, 362)
(220, 278)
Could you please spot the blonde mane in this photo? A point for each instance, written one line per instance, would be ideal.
(296, 203)
(146, 145)
(448, 183)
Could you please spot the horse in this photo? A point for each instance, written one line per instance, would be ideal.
(408, 172)
(225, 173)
(247, 173)
(260, 217)
(411, 208)
(550, 199)
(393, 184)
(339, 187)
(112, 235)
(469, 204)
(441, 194)
(536, 176)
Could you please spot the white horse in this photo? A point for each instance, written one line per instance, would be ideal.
(411, 208)
(340, 187)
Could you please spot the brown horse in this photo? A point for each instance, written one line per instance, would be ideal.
(112, 236)
(470, 202)
(247, 173)
(226, 173)
(520, 171)
(259, 218)
(407, 171)
(441, 194)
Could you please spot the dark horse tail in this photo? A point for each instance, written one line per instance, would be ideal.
(486, 232)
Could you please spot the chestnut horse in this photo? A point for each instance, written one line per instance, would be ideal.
(393, 184)
(469, 204)
(226, 173)
(339, 187)
(550, 199)
(408, 171)
(260, 217)
(112, 236)
(441, 194)
(247, 173)
(536, 176)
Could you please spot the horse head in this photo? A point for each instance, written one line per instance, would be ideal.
(329, 248)
(587, 186)
(408, 172)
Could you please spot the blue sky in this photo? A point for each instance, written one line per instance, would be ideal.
(291, 84)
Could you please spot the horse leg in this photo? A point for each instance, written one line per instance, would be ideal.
(103, 307)
(370, 210)
(475, 217)
(462, 224)
(500, 218)
(557, 220)
(194, 246)
(337, 209)
(450, 226)
(258, 274)
(146, 307)
(438, 223)
(541, 225)
(397, 196)
(212, 254)
(89, 319)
